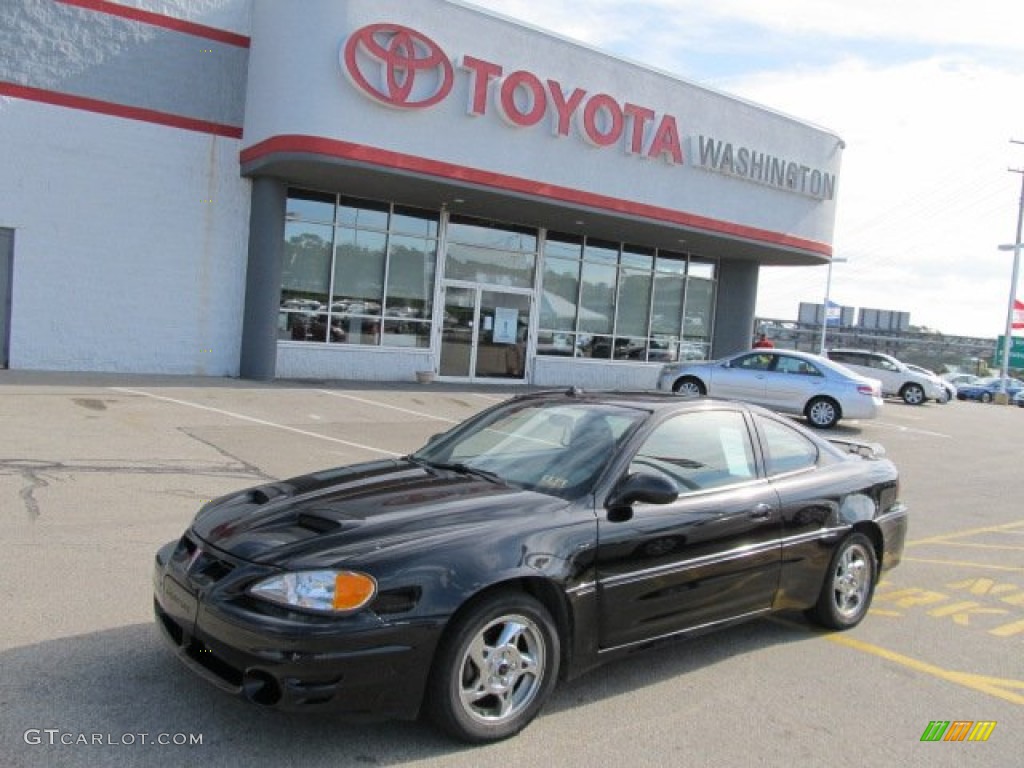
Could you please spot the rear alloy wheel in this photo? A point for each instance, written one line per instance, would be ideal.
(689, 387)
(912, 394)
(849, 585)
(986, 397)
(494, 669)
(822, 412)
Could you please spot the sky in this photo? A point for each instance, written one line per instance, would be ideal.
(927, 95)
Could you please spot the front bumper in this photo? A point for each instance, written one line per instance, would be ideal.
(358, 665)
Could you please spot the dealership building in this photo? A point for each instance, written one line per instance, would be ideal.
(379, 190)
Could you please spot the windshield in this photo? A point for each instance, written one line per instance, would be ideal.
(555, 448)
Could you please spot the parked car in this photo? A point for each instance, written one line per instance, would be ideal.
(986, 389)
(542, 537)
(897, 379)
(960, 379)
(948, 387)
(785, 380)
(1018, 399)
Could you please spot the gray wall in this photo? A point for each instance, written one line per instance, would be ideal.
(734, 313)
(122, 61)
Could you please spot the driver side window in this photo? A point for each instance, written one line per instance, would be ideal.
(702, 450)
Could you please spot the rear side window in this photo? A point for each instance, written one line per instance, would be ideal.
(850, 358)
(786, 450)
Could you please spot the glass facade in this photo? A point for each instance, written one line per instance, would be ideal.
(616, 301)
(363, 272)
(357, 272)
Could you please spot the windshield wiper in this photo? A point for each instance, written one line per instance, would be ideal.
(462, 469)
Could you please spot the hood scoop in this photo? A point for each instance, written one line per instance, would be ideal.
(316, 523)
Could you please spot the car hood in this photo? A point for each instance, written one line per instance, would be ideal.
(329, 516)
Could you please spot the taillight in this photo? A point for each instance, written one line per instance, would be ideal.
(865, 389)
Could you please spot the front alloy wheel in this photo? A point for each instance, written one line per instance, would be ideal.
(849, 585)
(912, 394)
(494, 670)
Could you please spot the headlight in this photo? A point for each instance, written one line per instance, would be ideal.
(324, 591)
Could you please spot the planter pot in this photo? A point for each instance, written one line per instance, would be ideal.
(425, 377)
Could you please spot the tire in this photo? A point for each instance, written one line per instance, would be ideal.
(822, 412)
(849, 584)
(912, 394)
(986, 397)
(688, 386)
(494, 669)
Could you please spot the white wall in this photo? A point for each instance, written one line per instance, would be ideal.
(130, 243)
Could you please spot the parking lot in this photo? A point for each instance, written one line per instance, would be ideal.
(98, 471)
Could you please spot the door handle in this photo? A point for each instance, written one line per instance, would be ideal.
(761, 511)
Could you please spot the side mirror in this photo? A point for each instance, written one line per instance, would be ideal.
(647, 487)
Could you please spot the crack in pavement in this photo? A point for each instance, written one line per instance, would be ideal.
(253, 469)
(33, 472)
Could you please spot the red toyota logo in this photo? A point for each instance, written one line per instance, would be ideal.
(410, 69)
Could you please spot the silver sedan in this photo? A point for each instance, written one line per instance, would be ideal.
(792, 382)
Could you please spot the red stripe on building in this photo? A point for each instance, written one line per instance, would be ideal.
(160, 20)
(397, 161)
(119, 110)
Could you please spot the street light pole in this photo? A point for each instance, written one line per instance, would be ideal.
(1004, 371)
(824, 307)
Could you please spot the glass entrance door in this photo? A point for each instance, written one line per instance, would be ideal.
(485, 333)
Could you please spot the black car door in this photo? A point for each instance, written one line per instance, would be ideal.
(711, 555)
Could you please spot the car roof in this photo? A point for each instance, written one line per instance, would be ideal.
(647, 399)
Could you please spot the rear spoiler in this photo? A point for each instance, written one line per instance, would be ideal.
(867, 450)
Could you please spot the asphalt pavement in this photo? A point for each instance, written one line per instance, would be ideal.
(98, 471)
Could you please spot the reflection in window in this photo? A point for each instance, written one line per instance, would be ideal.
(607, 301)
(368, 279)
(697, 451)
(787, 450)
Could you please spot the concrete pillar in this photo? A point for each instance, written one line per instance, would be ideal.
(263, 279)
(734, 308)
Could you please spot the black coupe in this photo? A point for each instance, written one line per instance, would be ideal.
(533, 542)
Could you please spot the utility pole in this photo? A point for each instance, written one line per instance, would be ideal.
(1004, 371)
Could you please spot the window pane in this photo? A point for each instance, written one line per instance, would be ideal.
(305, 281)
(484, 265)
(601, 251)
(560, 292)
(704, 269)
(668, 304)
(410, 290)
(558, 344)
(634, 303)
(491, 235)
(674, 263)
(401, 333)
(309, 206)
(699, 301)
(566, 246)
(411, 221)
(598, 298)
(363, 213)
(788, 450)
(359, 268)
(641, 258)
(699, 450)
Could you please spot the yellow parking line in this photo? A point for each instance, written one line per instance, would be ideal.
(993, 686)
(970, 532)
(962, 564)
(971, 544)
